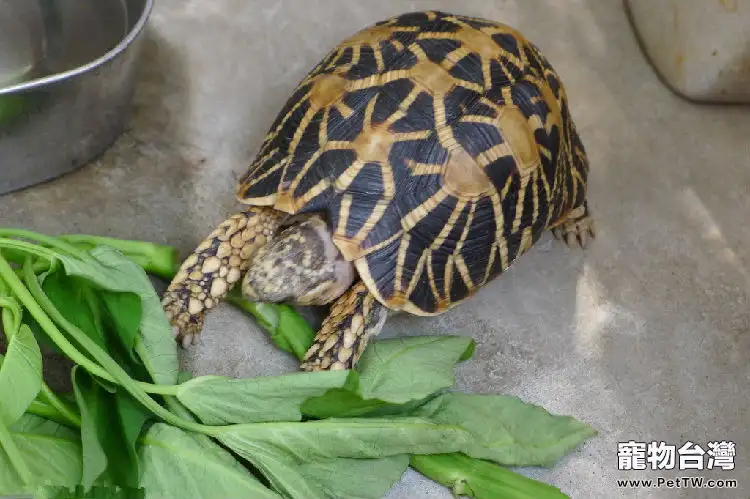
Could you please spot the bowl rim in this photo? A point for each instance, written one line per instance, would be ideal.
(90, 66)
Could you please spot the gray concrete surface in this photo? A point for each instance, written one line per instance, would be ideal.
(645, 335)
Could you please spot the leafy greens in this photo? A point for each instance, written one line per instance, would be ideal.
(135, 427)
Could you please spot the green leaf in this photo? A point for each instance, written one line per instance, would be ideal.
(340, 403)
(29, 423)
(470, 477)
(110, 319)
(355, 478)
(218, 400)
(329, 478)
(110, 425)
(132, 419)
(124, 311)
(72, 297)
(393, 375)
(358, 438)
(506, 429)
(400, 370)
(112, 271)
(51, 452)
(90, 401)
(176, 463)
(20, 375)
(281, 450)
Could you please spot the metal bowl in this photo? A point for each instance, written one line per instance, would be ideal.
(67, 71)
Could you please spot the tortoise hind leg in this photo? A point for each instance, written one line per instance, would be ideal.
(208, 274)
(575, 226)
(353, 319)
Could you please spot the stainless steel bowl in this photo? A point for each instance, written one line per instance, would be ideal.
(67, 71)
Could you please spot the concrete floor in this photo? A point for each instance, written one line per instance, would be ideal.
(646, 335)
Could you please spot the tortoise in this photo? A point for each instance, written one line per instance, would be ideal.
(413, 165)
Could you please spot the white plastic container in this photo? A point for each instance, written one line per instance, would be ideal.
(700, 48)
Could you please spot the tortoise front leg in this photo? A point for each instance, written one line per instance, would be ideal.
(207, 275)
(353, 319)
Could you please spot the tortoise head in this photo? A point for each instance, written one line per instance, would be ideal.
(300, 265)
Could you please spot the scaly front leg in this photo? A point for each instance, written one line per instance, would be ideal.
(208, 274)
(353, 319)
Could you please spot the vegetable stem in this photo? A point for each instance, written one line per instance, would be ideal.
(18, 248)
(48, 396)
(157, 259)
(11, 316)
(481, 479)
(266, 316)
(16, 460)
(46, 411)
(51, 241)
(170, 390)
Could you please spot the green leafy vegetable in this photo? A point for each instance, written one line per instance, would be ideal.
(323, 435)
(51, 452)
(481, 479)
(218, 400)
(176, 463)
(29, 423)
(124, 311)
(111, 423)
(351, 437)
(394, 372)
(132, 418)
(112, 271)
(506, 429)
(279, 449)
(73, 298)
(343, 402)
(20, 375)
(107, 318)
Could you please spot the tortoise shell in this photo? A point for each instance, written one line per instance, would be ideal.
(438, 147)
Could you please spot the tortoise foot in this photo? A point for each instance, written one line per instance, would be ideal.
(353, 320)
(578, 227)
(186, 326)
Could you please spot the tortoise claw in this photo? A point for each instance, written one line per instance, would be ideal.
(580, 230)
(185, 326)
